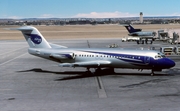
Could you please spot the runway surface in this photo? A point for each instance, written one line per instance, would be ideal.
(29, 83)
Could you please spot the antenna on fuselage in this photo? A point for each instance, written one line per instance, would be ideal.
(88, 43)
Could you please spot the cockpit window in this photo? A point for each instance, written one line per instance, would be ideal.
(160, 55)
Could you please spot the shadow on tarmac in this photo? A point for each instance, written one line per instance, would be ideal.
(85, 74)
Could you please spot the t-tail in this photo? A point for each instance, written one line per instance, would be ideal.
(33, 37)
(131, 29)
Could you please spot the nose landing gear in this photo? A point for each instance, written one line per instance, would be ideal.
(152, 72)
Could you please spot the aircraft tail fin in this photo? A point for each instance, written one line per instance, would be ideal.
(33, 37)
(131, 29)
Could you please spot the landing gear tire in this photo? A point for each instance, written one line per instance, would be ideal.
(152, 73)
(146, 41)
(150, 41)
(109, 70)
(98, 71)
(88, 71)
(140, 41)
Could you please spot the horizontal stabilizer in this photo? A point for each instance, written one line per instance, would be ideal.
(55, 46)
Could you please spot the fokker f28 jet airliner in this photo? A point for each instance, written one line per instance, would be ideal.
(97, 58)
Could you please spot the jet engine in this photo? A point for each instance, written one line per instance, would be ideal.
(63, 56)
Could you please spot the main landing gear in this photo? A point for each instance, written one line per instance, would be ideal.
(101, 71)
(88, 71)
(104, 71)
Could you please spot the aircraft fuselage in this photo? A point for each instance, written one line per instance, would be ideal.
(138, 59)
(142, 34)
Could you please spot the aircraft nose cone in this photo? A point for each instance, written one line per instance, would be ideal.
(171, 63)
(167, 63)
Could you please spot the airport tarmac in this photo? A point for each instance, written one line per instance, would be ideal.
(29, 83)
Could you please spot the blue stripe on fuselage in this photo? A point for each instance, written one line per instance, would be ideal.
(133, 59)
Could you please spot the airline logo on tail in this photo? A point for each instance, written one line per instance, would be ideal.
(129, 28)
(35, 38)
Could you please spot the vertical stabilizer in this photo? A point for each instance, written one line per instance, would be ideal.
(131, 29)
(33, 37)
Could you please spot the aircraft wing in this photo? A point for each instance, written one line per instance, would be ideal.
(86, 64)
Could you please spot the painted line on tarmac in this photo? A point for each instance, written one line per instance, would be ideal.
(100, 88)
(5, 89)
(11, 51)
(12, 59)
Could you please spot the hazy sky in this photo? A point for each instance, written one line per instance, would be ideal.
(87, 8)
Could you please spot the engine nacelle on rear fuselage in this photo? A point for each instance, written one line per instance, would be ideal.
(63, 56)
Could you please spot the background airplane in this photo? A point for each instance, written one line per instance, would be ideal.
(97, 58)
(144, 36)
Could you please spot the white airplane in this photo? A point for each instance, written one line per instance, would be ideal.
(97, 58)
(141, 34)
